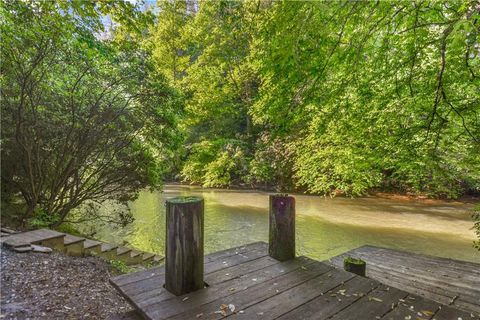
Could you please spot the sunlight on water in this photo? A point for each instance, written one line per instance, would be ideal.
(324, 227)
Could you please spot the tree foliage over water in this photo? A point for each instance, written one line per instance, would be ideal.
(86, 116)
(329, 96)
(103, 98)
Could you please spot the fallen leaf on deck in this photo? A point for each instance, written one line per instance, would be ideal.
(427, 312)
(199, 315)
(185, 299)
(231, 307)
(374, 299)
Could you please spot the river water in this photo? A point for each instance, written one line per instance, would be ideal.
(325, 227)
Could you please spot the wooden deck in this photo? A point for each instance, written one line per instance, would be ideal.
(245, 283)
(449, 282)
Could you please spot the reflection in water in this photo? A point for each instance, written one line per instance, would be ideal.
(324, 227)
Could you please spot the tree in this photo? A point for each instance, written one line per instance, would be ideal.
(219, 87)
(373, 94)
(85, 116)
(476, 225)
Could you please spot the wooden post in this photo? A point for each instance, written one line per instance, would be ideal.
(184, 245)
(282, 227)
(357, 266)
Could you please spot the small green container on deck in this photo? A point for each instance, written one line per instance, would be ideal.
(353, 265)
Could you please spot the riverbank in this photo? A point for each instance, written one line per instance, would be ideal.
(56, 286)
(392, 195)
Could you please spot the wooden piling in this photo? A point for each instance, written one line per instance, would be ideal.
(282, 227)
(357, 266)
(184, 245)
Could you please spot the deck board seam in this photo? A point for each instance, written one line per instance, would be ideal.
(258, 284)
(425, 281)
(252, 272)
(316, 297)
(293, 286)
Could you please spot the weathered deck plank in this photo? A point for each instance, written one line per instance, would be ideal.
(283, 302)
(443, 280)
(413, 307)
(267, 284)
(372, 306)
(257, 286)
(334, 300)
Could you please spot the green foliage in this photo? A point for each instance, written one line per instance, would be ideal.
(216, 164)
(476, 225)
(272, 164)
(331, 97)
(327, 97)
(352, 260)
(120, 266)
(42, 219)
(70, 229)
(86, 116)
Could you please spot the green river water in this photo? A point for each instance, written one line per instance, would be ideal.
(325, 227)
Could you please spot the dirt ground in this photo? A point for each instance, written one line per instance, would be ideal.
(56, 286)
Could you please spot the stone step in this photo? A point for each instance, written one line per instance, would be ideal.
(123, 251)
(147, 257)
(42, 249)
(92, 247)
(7, 230)
(136, 257)
(42, 237)
(108, 251)
(158, 258)
(23, 249)
(135, 253)
(73, 245)
(108, 247)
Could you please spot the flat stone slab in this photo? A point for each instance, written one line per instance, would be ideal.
(41, 249)
(23, 249)
(108, 247)
(70, 239)
(88, 243)
(7, 230)
(31, 237)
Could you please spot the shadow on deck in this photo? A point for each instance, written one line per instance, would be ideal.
(447, 281)
(246, 283)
